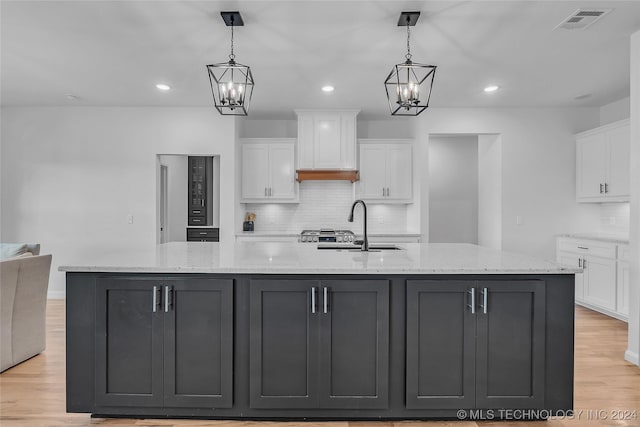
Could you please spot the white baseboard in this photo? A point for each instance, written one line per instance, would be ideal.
(56, 295)
(631, 356)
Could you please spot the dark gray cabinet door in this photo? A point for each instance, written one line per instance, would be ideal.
(283, 343)
(440, 345)
(128, 355)
(354, 344)
(510, 359)
(198, 343)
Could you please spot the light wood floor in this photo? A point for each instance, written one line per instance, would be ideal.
(32, 394)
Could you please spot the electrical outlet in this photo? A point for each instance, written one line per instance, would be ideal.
(129, 219)
(518, 219)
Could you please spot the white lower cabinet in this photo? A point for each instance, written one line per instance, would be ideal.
(603, 284)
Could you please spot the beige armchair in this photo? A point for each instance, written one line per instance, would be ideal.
(24, 281)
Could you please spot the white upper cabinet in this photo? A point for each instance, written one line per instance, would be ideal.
(602, 163)
(386, 173)
(268, 171)
(327, 139)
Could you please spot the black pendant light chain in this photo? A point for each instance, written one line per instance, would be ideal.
(232, 56)
(408, 55)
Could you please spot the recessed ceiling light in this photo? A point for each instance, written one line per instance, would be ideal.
(162, 86)
(581, 97)
(491, 88)
(327, 88)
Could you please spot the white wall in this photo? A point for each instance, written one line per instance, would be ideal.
(70, 176)
(633, 351)
(453, 192)
(490, 191)
(615, 111)
(176, 196)
(538, 169)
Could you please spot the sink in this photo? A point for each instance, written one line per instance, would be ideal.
(351, 247)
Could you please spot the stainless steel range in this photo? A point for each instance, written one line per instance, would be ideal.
(327, 235)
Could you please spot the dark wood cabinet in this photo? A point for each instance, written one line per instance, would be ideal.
(475, 344)
(164, 343)
(200, 190)
(204, 234)
(319, 344)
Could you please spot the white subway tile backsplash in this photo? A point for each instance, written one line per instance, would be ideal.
(327, 204)
(614, 218)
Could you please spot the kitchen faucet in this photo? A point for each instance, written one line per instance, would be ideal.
(365, 240)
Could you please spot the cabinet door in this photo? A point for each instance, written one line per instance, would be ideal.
(591, 165)
(600, 282)
(198, 337)
(575, 261)
(373, 168)
(399, 172)
(197, 184)
(128, 355)
(618, 163)
(327, 142)
(440, 345)
(283, 340)
(622, 305)
(354, 344)
(255, 171)
(282, 172)
(510, 359)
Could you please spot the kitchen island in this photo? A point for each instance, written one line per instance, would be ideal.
(287, 331)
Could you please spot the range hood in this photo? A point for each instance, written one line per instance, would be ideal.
(327, 175)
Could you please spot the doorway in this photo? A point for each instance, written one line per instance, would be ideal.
(465, 189)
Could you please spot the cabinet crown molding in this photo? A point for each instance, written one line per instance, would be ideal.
(603, 128)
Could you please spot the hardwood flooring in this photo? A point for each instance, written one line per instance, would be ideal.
(32, 394)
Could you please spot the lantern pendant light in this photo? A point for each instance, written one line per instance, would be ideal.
(409, 84)
(231, 82)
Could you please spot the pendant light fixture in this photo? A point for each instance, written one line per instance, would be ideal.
(409, 84)
(231, 82)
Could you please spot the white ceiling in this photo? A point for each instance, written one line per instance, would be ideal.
(112, 53)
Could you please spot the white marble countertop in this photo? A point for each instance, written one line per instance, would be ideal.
(293, 234)
(302, 258)
(603, 237)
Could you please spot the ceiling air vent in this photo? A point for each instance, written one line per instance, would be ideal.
(583, 18)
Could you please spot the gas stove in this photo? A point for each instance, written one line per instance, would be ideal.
(327, 235)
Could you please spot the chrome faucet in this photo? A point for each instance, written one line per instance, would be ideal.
(365, 239)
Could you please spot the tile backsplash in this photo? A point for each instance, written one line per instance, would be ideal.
(327, 204)
(614, 218)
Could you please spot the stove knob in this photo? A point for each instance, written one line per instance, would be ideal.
(351, 238)
(315, 238)
(339, 238)
(303, 238)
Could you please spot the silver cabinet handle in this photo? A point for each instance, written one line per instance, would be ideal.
(484, 306)
(583, 247)
(313, 300)
(155, 299)
(580, 262)
(383, 192)
(600, 188)
(326, 300)
(269, 191)
(606, 187)
(473, 300)
(166, 299)
(387, 191)
(265, 191)
(584, 263)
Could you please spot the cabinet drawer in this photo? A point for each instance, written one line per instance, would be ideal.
(203, 234)
(197, 212)
(197, 220)
(587, 247)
